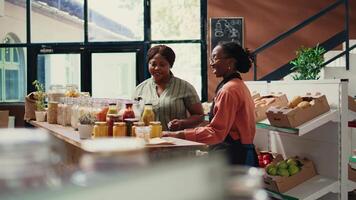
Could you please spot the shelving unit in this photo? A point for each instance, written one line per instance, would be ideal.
(325, 140)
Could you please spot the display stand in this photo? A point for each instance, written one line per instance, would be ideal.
(325, 140)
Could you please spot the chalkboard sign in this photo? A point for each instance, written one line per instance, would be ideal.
(226, 29)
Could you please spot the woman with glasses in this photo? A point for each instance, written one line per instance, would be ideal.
(171, 97)
(232, 120)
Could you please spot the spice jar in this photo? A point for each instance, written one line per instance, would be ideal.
(52, 112)
(55, 92)
(148, 114)
(110, 119)
(119, 129)
(156, 129)
(100, 129)
(133, 129)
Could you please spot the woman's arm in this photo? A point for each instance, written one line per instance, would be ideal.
(196, 117)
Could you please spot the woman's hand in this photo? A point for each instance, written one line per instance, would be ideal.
(175, 125)
(175, 134)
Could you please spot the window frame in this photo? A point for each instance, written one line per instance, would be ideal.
(86, 48)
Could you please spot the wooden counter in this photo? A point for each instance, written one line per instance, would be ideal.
(73, 144)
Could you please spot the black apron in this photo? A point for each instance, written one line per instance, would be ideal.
(237, 153)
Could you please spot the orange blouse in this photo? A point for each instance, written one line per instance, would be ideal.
(233, 114)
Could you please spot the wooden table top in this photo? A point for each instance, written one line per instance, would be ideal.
(69, 135)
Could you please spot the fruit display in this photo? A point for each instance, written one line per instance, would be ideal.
(284, 168)
(262, 103)
(298, 111)
(264, 158)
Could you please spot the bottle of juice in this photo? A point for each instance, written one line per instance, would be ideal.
(128, 113)
(148, 114)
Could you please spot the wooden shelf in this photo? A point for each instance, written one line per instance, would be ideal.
(311, 189)
(320, 120)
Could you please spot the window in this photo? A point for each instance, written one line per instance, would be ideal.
(58, 69)
(115, 20)
(12, 76)
(113, 75)
(57, 21)
(63, 50)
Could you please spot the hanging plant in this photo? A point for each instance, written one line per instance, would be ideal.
(308, 63)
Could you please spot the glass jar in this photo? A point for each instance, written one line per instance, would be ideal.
(74, 113)
(100, 129)
(71, 90)
(68, 110)
(55, 92)
(52, 112)
(156, 129)
(143, 132)
(119, 129)
(110, 119)
(60, 112)
(133, 129)
(128, 113)
(148, 114)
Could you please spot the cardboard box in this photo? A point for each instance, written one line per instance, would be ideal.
(283, 184)
(352, 104)
(293, 117)
(264, 102)
(4, 118)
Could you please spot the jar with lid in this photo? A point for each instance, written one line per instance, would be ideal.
(133, 129)
(110, 119)
(156, 129)
(100, 129)
(74, 113)
(55, 92)
(148, 114)
(52, 112)
(60, 112)
(128, 113)
(68, 110)
(71, 90)
(119, 129)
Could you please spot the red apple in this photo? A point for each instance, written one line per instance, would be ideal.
(267, 157)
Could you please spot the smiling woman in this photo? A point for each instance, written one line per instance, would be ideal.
(171, 97)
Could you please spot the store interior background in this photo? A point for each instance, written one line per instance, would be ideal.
(264, 20)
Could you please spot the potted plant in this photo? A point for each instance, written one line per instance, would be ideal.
(308, 63)
(85, 126)
(40, 96)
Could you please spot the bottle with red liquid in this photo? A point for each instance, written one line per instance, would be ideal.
(128, 113)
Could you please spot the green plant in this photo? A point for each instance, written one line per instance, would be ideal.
(87, 118)
(308, 63)
(40, 95)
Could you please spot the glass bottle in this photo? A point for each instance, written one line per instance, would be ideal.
(148, 114)
(112, 109)
(128, 113)
(129, 124)
(110, 119)
(55, 92)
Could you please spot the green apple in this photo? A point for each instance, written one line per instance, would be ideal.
(272, 171)
(282, 172)
(282, 165)
(270, 165)
(291, 161)
(293, 169)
